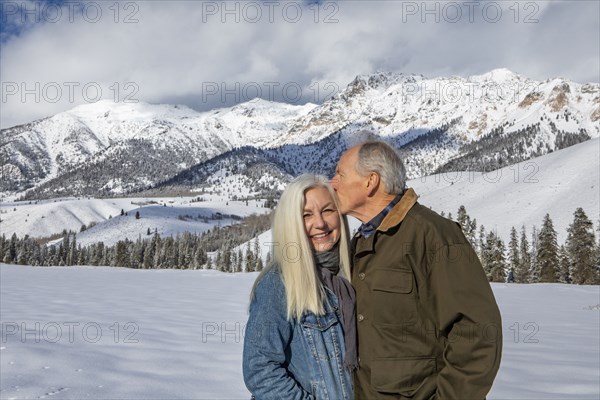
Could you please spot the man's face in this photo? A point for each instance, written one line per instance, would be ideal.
(348, 184)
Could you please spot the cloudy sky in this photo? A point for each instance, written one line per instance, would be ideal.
(56, 55)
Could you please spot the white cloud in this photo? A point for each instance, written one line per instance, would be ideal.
(178, 48)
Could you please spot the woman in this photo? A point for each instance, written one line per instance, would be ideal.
(300, 340)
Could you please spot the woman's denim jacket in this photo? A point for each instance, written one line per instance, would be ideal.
(284, 359)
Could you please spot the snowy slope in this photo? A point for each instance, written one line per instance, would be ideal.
(113, 333)
(522, 194)
(180, 214)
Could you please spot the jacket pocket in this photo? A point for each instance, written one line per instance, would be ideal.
(321, 335)
(405, 376)
(319, 322)
(392, 297)
(393, 281)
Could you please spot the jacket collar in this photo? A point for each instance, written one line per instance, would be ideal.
(394, 217)
(398, 213)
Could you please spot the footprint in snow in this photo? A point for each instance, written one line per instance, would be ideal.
(54, 392)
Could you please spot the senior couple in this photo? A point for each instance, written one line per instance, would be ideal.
(402, 311)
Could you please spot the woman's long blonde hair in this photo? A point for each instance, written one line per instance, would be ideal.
(292, 251)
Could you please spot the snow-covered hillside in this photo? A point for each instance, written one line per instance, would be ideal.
(113, 333)
(522, 194)
(167, 216)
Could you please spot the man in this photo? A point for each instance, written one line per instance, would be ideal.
(428, 324)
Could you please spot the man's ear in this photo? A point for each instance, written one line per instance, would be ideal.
(373, 182)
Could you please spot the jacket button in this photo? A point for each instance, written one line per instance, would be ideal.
(360, 317)
(361, 276)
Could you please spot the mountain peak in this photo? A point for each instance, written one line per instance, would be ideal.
(499, 75)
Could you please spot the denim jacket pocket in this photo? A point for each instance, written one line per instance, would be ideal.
(320, 334)
(319, 322)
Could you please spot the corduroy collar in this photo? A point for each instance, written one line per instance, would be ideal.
(398, 213)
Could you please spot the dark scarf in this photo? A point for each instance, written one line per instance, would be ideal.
(328, 265)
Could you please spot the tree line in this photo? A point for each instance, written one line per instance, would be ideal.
(539, 258)
(213, 249)
(532, 258)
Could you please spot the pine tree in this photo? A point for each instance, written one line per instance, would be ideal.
(494, 259)
(472, 233)
(580, 247)
(226, 258)
(66, 247)
(513, 251)
(564, 265)
(547, 253)
(534, 271)
(82, 258)
(598, 251)
(3, 243)
(257, 254)
(487, 253)
(121, 257)
(250, 259)
(481, 242)
(498, 267)
(72, 255)
(463, 219)
(239, 261)
(523, 270)
(468, 227)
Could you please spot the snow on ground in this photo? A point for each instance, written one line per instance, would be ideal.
(556, 183)
(115, 333)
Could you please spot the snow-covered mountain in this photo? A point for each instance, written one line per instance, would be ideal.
(516, 195)
(133, 145)
(395, 103)
(440, 124)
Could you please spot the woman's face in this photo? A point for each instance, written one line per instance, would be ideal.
(321, 219)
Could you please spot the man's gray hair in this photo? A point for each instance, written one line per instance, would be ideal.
(380, 157)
